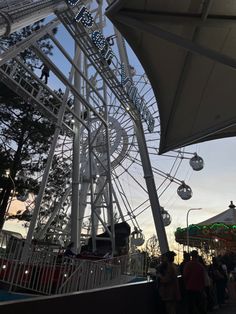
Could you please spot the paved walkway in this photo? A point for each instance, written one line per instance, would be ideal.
(229, 308)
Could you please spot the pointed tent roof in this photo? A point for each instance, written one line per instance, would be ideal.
(218, 232)
(188, 50)
(228, 217)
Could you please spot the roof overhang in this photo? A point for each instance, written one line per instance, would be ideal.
(188, 50)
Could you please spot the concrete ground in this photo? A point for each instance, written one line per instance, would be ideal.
(230, 306)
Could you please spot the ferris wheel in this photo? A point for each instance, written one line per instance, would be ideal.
(130, 197)
(105, 146)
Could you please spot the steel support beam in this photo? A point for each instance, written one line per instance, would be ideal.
(20, 16)
(75, 237)
(27, 42)
(151, 187)
(46, 172)
(178, 40)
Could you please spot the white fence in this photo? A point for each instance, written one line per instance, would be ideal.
(48, 272)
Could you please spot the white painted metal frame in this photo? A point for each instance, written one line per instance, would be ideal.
(109, 79)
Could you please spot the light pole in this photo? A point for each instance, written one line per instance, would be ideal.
(8, 175)
(187, 225)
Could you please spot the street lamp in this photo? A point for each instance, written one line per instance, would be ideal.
(8, 175)
(187, 225)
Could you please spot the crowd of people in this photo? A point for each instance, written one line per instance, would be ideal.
(194, 287)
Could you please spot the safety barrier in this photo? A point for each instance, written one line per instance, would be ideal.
(47, 271)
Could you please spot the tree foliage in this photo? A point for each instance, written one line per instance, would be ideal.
(152, 247)
(25, 135)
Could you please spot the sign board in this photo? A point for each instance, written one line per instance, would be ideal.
(84, 17)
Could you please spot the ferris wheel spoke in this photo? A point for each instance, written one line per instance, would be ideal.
(147, 91)
(157, 171)
(123, 197)
(124, 118)
(154, 133)
(126, 124)
(135, 145)
(166, 176)
(177, 160)
(135, 180)
(142, 211)
(150, 103)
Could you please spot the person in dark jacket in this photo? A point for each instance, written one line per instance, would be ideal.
(69, 252)
(168, 282)
(45, 72)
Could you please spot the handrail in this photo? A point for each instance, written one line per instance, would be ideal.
(21, 15)
(48, 272)
(71, 276)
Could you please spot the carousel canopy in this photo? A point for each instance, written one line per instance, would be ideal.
(216, 232)
(188, 50)
(228, 217)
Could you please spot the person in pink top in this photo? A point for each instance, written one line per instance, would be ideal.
(194, 280)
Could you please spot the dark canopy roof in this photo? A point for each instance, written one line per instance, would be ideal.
(188, 50)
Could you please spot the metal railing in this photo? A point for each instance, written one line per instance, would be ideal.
(103, 273)
(48, 272)
(37, 274)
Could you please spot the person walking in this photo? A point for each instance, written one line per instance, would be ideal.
(194, 279)
(69, 250)
(168, 287)
(209, 291)
(183, 292)
(219, 278)
(45, 72)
